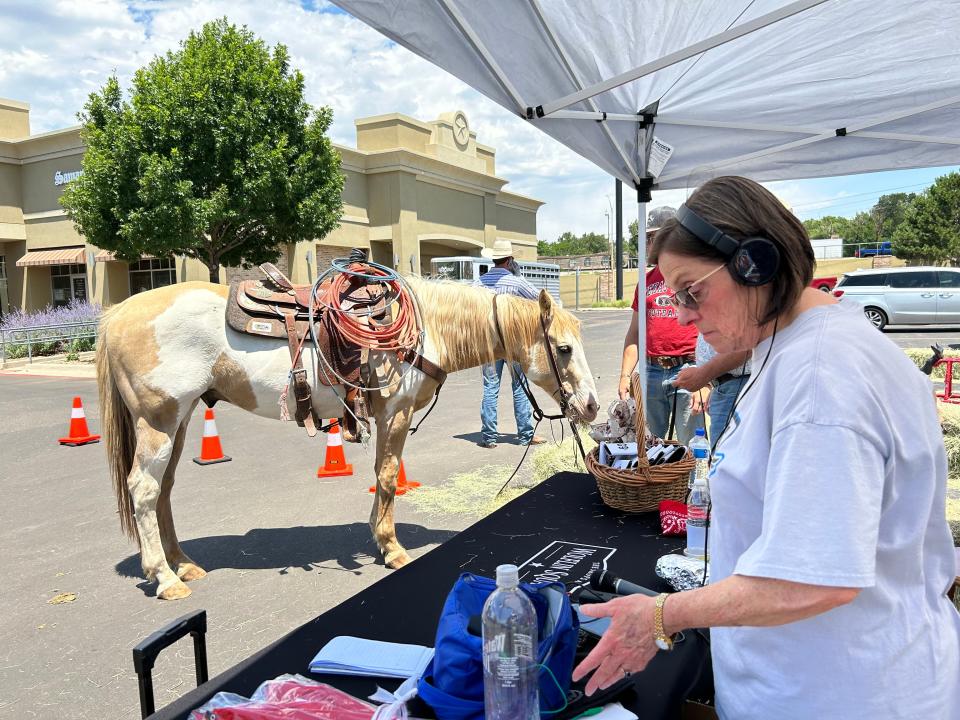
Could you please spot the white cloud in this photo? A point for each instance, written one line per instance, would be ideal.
(53, 55)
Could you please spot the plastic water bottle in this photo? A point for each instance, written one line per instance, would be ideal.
(698, 516)
(701, 457)
(510, 674)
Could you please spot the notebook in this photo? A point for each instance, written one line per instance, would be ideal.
(346, 655)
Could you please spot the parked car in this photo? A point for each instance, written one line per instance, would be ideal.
(824, 283)
(883, 248)
(904, 296)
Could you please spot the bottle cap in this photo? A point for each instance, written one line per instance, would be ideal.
(508, 576)
(700, 432)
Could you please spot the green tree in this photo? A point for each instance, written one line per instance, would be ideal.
(861, 229)
(633, 234)
(570, 244)
(889, 212)
(827, 226)
(930, 230)
(592, 243)
(215, 156)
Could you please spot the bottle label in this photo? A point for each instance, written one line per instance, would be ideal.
(507, 666)
(696, 516)
(522, 645)
(700, 453)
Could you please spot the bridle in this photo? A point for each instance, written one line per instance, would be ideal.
(565, 397)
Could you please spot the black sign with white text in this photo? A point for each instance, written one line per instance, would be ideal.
(570, 563)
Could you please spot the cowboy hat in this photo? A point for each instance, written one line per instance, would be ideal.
(502, 248)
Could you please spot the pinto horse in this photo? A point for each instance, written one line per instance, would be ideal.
(161, 351)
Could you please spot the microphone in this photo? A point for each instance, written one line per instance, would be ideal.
(606, 581)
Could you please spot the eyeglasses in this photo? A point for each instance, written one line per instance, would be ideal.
(685, 298)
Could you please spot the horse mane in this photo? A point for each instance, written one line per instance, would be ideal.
(458, 319)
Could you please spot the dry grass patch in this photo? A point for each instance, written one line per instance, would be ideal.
(474, 494)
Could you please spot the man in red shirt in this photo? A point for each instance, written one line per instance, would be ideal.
(669, 347)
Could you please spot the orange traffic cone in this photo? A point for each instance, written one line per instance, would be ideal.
(402, 483)
(334, 464)
(79, 433)
(210, 450)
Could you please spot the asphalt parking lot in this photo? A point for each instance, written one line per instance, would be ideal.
(280, 546)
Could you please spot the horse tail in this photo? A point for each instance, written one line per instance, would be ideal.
(118, 429)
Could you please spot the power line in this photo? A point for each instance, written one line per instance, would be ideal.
(878, 193)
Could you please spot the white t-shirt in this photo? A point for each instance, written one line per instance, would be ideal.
(706, 353)
(834, 473)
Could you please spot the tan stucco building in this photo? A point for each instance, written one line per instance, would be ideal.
(413, 191)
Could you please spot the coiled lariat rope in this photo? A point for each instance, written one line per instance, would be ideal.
(400, 333)
(403, 332)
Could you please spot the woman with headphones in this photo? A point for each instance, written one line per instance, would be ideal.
(830, 554)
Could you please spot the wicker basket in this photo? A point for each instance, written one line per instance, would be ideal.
(640, 489)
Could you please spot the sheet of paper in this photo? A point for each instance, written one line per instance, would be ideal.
(614, 711)
(347, 655)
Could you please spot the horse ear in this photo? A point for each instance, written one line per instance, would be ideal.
(546, 305)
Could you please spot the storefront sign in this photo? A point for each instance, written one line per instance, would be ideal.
(62, 178)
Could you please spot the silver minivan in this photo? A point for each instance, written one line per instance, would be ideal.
(904, 295)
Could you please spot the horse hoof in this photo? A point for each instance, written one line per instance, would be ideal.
(189, 571)
(397, 559)
(177, 591)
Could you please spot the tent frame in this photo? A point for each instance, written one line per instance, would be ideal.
(645, 119)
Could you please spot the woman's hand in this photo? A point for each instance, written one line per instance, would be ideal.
(691, 378)
(624, 390)
(627, 645)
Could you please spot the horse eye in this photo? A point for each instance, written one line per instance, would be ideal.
(564, 349)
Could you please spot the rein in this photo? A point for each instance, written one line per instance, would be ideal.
(538, 414)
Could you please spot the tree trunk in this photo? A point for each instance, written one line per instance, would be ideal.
(214, 269)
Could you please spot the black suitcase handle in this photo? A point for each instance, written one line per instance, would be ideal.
(146, 652)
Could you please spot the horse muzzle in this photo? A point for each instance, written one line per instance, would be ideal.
(584, 409)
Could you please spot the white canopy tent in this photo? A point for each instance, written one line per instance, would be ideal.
(768, 89)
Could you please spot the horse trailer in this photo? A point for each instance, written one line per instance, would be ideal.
(468, 269)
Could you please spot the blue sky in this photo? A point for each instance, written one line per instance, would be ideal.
(855, 193)
(54, 54)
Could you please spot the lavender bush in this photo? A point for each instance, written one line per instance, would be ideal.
(77, 311)
(51, 320)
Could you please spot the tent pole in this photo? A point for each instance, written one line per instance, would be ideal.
(618, 244)
(642, 303)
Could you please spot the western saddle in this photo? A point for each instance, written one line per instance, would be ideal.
(276, 308)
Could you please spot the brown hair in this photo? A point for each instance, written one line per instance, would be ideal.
(743, 208)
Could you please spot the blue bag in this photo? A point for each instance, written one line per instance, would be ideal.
(452, 683)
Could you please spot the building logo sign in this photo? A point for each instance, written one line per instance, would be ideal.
(62, 178)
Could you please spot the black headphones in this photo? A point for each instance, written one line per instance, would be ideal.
(752, 261)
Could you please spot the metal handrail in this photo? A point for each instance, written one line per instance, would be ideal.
(38, 334)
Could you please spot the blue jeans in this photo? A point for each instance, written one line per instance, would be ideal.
(488, 409)
(660, 405)
(721, 403)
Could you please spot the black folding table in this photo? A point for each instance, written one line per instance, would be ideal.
(559, 530)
